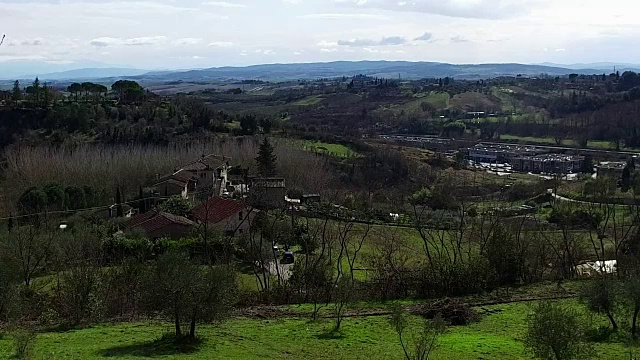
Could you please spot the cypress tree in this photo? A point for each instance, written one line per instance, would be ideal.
(266, 159)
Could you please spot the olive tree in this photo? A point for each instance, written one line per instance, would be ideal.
(600, 296)
(555, 332)
(182, 290)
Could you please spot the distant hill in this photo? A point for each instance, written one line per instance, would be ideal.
(28, 69)
(388, 69)
(89, 74)
(282, 72)
(605, 67)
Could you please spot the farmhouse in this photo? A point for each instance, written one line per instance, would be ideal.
(199, 179)
(231, 216)
(211, 172)
(5, 97)
(157, 225)
(180, 183)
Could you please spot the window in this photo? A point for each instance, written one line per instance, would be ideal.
(240, 216)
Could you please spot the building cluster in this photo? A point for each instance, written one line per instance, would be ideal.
(525, 158)
(228, 200)
(548, 164)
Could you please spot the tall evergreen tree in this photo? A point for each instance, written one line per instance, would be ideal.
(46, 95)
(10, 223)
(119, 209)
(36, 90)
(266, 159)
(17, 93)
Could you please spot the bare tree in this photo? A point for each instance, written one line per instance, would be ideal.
(426, 341)
(31, 248)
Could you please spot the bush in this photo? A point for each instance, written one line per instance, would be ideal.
(455, 312)
(23, 341)
(77, 299)
(555, 331)
(444, 278)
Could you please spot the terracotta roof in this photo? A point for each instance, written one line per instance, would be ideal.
(207, 162)
(139, 219)
(153, 220)
(172, 181)
(183, 176)
(217, 209)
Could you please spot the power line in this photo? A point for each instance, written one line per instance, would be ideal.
(2, 41)
(105, 207)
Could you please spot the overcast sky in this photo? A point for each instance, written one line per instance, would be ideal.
(191, 33)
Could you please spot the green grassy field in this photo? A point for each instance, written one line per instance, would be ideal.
(337, 150)
(439, 100)
(309, 101)
(497, 336)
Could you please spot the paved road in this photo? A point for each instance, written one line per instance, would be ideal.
(562, 198)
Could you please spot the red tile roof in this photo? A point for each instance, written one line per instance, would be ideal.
(153, 220)
(207, 162)
(217, 209)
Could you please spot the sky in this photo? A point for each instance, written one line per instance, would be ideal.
(181, 34)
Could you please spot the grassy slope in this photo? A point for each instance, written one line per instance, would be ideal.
(496, 336)
(440, 100)
(309, 101)
(337, 150)
(473, 101)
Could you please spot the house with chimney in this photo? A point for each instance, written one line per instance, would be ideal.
(211, 172)
(198, 180)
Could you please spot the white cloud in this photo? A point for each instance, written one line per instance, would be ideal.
(347, 16)
(425, 37)
(325, 43)
(147, 40)
(222, 44)
(328, 50)
(479, 9)
(223, 4)
(393, 40)
(104, 42)
(188, 41)
(138, 41)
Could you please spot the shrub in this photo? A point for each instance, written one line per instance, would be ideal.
(445, 278)
(555, 332)
(455, 312)
(23, 341)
